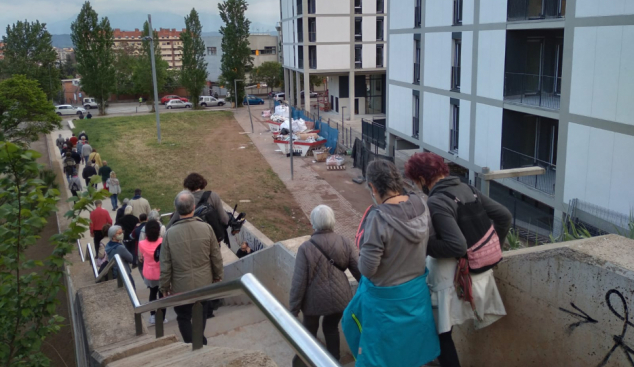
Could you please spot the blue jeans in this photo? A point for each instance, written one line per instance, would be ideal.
(113, 199)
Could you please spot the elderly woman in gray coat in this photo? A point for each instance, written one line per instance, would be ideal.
(320, 285)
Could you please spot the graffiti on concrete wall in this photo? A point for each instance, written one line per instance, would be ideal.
(250, 239)
(619, 342)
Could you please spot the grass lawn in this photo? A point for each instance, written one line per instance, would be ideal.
(205, 142)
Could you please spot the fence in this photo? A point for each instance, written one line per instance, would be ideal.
(532, 89)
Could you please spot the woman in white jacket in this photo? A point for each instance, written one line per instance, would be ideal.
(115, 189)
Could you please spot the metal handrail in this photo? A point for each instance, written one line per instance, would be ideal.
(166, 214)
(304, 344)
(81, 253)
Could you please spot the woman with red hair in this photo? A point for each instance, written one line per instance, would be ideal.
(431, 174)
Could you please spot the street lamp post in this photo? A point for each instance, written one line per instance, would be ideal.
(156, 108)
(343, 131)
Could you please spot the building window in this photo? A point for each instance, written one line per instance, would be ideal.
(311, 6)
(299, 7)
(380, 6)
(300, 57)
(268, 50)
(416, 61)
(417, 14)
(300, 30)
(379, 28)
(357, 7)
(379, 56)
(457, 12)
(415, 118)
(312, 29)
(455, 125)
(358, 34)
(312, 57)
(535, 9)
(455, 68)
(357, 57)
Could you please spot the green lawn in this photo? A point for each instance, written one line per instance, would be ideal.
(205, 142)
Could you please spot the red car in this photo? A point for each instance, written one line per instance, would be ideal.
(166, 99)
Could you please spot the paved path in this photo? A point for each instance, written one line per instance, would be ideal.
(307, 187)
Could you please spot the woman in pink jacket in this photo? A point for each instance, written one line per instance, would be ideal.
(151, 268)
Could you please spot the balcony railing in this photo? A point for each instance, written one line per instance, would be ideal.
(358, 64)
(416, 73)
(300, 36)
(535, 9)
(312, 36)
(379, 60)
(415, 127)
(358, 37)
(311, 6)
(299, 7)
(380, 6)
(455, 77)
(544, 183)
(300, 63)
(417, 17)
(534, 90)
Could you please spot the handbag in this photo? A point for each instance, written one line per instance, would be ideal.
(157, 253)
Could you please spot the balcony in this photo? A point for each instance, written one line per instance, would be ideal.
(533, 90)
(544, 183)
(312, 36)
(415, 127)
(535, 9)
(416, 73)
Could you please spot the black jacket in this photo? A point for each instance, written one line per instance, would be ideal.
(88, 172)
(449, 241)
(76, 157)
(120, 212)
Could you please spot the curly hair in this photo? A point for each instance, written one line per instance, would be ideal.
(194, 181)
(384, 176)
(429, 166)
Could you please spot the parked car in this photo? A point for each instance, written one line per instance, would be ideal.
(252, 100)
(279, 96)
(66, 109)
(177, 103)
(166, 99)
(90, 103)
(312, 94)
(209, 101)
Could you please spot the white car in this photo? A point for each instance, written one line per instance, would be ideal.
(90, 103)
(279, 96)
(66, 109)
(209, 101)
(312, 94)
(177, 103)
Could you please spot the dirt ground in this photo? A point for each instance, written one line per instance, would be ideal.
(206, 142)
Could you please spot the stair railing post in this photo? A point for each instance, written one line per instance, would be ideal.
(138, 323)
(197, 324)
(159, 323)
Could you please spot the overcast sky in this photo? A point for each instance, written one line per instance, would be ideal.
(129, 14)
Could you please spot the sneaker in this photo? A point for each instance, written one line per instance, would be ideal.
(152, 319)
(165, 321)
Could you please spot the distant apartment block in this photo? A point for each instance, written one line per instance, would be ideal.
(63, 52)
(169, 41)
(515, 83)
(342, 39)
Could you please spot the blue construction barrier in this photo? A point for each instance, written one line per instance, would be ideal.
(325, 131)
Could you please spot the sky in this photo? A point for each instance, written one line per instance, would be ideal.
(130, 14)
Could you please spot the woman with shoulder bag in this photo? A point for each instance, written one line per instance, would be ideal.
(320, 287)
(151, 267)
(461, 280)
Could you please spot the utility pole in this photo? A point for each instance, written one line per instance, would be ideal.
(156, 108)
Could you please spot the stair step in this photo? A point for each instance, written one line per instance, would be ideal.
(126, 348)
(181, 354)
(229, 318)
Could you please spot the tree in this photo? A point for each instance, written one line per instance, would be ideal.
(28, 288)
(124, 66)
(194, 71)
(25, 111)
(236, 58)
(172, 81)
(142, 75)
(68, 68)
(28, 50)
(94, 42)
(269, 73)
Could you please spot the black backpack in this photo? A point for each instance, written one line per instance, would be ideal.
(207, 212)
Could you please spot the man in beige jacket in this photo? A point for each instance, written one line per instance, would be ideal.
(190, 259)
(139, 204)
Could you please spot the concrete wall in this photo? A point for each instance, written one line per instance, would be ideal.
(564, 307)
(332, 7)
(401, 57)
(332, 29)
(401, 15)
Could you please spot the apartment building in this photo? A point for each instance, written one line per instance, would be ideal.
(514, 83)
(263, 48)
(169, 40)
(344, 40)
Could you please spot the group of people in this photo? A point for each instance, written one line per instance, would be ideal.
(182, 256)
(76, 151)
(410, 259)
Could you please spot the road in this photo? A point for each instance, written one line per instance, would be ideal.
(131, 108)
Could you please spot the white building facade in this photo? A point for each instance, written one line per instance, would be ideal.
(514, 83)
(343, 40)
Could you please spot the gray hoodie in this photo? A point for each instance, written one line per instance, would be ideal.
(394, 245)
(86, 149)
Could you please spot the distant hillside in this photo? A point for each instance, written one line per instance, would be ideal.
(61, 40)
